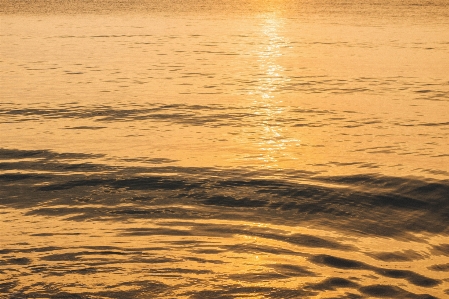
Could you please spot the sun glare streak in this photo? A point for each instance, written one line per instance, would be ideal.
(273, 72)
(272, 142)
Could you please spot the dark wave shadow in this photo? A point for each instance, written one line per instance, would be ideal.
(348, 264)
(333, 283)
(388, 291)
(398, 256)
(369, 204)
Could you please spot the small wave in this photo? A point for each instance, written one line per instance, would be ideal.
(254, 231)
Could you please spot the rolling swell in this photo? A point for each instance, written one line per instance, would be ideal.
(369, 203)
(283, 225)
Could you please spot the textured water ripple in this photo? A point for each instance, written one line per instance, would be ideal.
(234, 232)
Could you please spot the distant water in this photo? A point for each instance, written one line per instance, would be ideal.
(224, 149)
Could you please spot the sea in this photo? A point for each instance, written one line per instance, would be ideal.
(224, 149)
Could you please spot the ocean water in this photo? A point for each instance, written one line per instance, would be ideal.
(224, 149)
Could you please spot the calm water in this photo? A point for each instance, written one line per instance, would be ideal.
(224, 149)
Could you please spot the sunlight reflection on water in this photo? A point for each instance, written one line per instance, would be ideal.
(271, 142)
(224, 149)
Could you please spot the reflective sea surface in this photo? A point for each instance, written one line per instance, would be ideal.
(224, 149)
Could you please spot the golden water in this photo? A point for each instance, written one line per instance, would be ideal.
(251, 149)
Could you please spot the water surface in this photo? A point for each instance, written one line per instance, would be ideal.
(251, 149)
